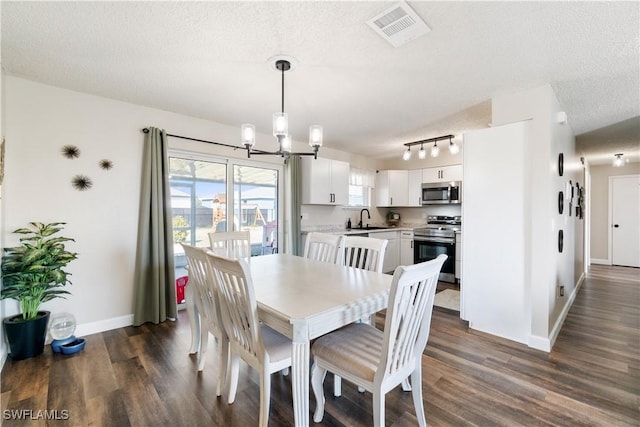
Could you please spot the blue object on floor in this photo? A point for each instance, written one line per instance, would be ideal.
(73, 347)
(56, 344)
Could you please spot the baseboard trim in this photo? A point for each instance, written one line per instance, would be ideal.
(565, 311)
(539, 343)
(104, 325)
(600, 261)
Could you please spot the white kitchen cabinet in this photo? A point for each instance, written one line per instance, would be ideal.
(392, 253)
(324, 181)
(406, 247)
(391, 188)
(442, 174)
(415, 188)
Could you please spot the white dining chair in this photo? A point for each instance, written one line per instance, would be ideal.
(379, 361)
(203, 292)
(232, 244)
(262, 348)
(366, 253)
(322, 247)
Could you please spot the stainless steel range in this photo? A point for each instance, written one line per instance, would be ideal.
(438, 237)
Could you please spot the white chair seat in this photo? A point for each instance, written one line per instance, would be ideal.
(277, 345)
(380, 361)
(356, 348)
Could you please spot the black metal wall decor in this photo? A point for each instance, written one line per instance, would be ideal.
(560, 240)
(70, 151)
(560, 202)
(580, 206)
(561, 164)
(81, 182)
(107, 164)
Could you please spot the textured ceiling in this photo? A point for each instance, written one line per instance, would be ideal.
(209, 60)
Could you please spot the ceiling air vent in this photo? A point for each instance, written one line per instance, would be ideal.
(399, 24)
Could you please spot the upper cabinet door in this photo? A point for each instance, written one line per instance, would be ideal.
(391, 188)
(452, 173)
(442, 174)
(340, 182)
(431, 175)
(324, 181)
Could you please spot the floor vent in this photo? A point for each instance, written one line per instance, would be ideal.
(398, 24)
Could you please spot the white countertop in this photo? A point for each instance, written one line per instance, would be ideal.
(345, 231)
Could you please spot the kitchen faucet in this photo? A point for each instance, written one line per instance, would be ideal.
(368, 216)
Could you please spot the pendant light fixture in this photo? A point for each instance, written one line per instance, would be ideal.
(422, 154)
(435, 150)
(281, 125)
(453, 147)
(618, 161)
(407, 154)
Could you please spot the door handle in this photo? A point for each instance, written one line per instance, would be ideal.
(615, 225)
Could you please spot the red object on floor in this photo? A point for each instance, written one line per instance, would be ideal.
(181, 282)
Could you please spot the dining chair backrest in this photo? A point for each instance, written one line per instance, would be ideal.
(239, 307)
(366, 253)
(408, 319)
(322, 247)
(202, 279)
(231, 244)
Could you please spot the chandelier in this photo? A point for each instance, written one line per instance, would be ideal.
(435, 150)
(281, 126)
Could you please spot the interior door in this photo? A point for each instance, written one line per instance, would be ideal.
(625, 220)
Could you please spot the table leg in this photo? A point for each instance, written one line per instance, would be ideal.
(300, 373)
(194, 320)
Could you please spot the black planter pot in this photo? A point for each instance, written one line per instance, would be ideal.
(26, 337)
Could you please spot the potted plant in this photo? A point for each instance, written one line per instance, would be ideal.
(32, 273)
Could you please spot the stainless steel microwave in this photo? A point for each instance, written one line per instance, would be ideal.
(442, 193)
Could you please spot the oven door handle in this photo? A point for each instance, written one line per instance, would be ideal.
(435, 240)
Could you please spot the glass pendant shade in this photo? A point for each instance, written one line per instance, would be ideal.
(454, 148)
(618, 160)
(285, 144)
(248, 133)
(422, 154)
(280, 124)
(435, 150)
(407, 154)
(315, 136)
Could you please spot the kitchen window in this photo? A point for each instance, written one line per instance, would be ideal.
(361, 182)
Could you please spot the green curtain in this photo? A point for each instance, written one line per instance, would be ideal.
(155, 291)
(293, 170)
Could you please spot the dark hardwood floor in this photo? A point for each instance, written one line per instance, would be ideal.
(144, 376)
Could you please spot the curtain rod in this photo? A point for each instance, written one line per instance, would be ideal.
(235, 147)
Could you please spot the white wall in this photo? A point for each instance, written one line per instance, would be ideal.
(547, 269)
(40, 119)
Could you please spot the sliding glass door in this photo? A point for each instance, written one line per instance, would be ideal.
(217, 195)
(255, 206)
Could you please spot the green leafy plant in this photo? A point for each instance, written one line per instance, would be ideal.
(33, 272)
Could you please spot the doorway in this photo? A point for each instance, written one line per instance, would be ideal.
(624, 214)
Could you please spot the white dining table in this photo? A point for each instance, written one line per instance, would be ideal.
(304, 299)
